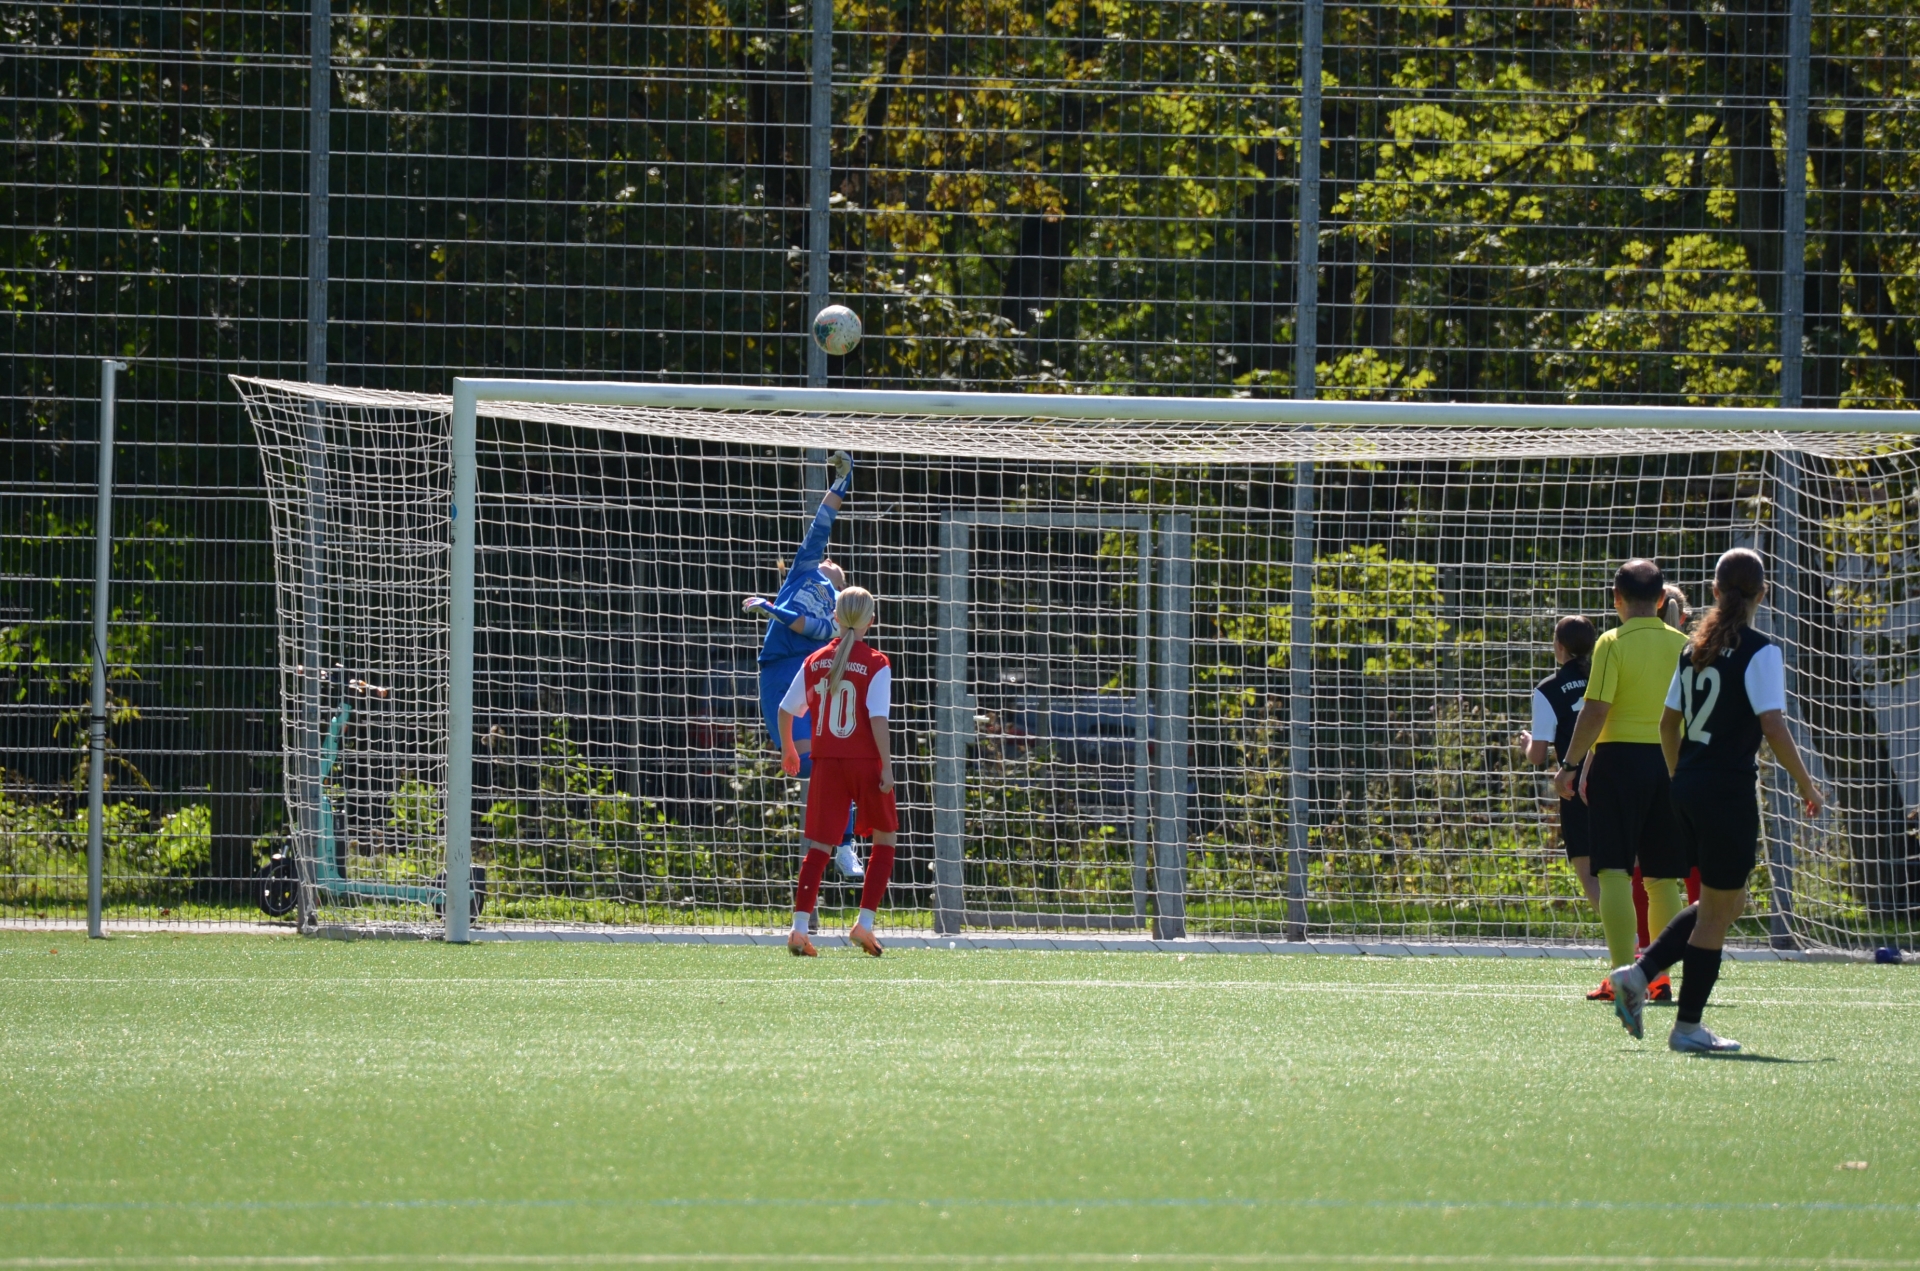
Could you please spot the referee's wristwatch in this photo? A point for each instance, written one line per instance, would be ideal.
(1569, 767)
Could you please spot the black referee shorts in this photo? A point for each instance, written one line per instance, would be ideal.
(1575, 834)
(1719, 824)
(1630, 812)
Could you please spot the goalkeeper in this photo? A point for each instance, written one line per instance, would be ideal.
(802, 624)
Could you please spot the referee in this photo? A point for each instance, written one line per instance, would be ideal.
(1627, 788)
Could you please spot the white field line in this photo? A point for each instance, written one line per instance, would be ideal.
(959, 1260)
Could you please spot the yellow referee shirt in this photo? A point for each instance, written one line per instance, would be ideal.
(1632, 667)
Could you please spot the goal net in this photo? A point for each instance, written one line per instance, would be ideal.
(1187, 668)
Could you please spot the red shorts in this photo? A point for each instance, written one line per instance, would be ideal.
(840, 783)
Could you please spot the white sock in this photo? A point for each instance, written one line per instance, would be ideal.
(866, 919)
(800, 921)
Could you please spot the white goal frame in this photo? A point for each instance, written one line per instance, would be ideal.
(469, 393)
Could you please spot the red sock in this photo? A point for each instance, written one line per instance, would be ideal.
(879, 871)
(1693, 886)
(1640, 908)
(812, 870)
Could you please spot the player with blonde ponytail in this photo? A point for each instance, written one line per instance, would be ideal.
(847, 688)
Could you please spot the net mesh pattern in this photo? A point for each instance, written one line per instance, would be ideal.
(1091, 629)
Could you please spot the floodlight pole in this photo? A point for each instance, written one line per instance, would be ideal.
(1306, 354)
(819, 178)
(97, 728)
(465, 451)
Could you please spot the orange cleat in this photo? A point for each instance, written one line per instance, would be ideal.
(801, 947)
(863, 937)
(1661, 990)
(1602, 994)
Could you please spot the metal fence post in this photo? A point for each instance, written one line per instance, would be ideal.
(320, 143)
(1306, 353)
(819, 177)
(1793, 219)
(1787, 502)
(1306, 337)
(97, 730)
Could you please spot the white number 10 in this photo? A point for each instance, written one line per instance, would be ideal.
(839, 715)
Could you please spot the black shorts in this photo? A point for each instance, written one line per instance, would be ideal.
(1719, 823)
(1629, 811)
(1575, 835)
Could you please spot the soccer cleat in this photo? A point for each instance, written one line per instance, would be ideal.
(1602, 994)
(1630, 998)
(863, 937)
(1697, 1039)
(801, 947)
(813, 923)
(1661, 990)
(847, 861)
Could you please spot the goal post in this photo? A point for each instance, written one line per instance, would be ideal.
(1165, 694)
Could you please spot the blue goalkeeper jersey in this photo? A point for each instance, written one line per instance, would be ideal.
(806, 594)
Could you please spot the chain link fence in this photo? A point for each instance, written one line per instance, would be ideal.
(1553, 201)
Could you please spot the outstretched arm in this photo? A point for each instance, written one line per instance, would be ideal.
(813, 548)
(798, 623)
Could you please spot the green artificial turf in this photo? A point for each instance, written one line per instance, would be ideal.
(195, 1097)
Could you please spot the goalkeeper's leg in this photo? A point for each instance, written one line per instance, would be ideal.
(775, 678)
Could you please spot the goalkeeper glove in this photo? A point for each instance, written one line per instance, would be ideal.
(842, 465)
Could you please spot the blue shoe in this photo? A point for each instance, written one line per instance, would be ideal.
(1630, 998)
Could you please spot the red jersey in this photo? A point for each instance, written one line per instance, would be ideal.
(844, 730)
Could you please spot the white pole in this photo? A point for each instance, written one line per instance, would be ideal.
(97, 732)
(460, 667)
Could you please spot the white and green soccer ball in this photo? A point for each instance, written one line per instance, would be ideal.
(836, 329)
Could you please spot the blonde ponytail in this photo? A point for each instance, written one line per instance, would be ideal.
(852, 615)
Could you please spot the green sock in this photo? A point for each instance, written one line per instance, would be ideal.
(1617, 918)
(1665, 900)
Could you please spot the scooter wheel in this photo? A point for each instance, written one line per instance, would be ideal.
(279, 886)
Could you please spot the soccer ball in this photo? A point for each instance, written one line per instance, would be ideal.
(836, 329)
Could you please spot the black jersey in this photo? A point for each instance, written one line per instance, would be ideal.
(1720, 707)
(1563, 692)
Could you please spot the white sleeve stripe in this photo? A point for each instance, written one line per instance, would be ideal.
(880, 693)
(1767, 681)
(795, 702)
(1545, 722)
(1676, 691)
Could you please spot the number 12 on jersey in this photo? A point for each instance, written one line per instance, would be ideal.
(1707, 684)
